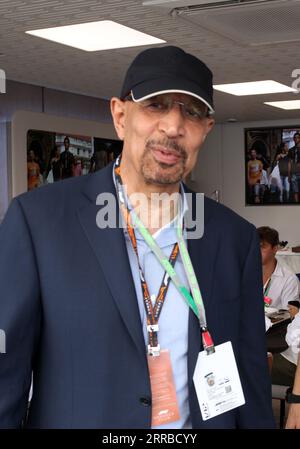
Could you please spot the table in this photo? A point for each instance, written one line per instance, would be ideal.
(276, 334)
(291, 259)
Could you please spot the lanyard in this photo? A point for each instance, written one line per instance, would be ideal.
(267, 286)
(152, 313)
(195, 301)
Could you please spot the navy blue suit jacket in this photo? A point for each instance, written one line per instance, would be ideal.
(69, 310)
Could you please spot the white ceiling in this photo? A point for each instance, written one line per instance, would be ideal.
(32, 60)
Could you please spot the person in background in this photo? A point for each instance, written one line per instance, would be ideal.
(294, 167)
(281, 285)
(285, 364)
(37, 147)
(67, 160)
(293, 398)
(261, 155)
(55, 164)
(254, 175)
(282, 160)
(77, 167)
(98, 160)
(293, 308)
(293, 393)
(33, 171)
(264, 186)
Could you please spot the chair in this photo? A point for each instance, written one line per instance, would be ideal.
(278, 392)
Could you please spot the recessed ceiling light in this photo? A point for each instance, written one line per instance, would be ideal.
(254, 88)
(288, 105)
(94, 36)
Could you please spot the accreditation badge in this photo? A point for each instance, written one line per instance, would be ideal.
(164, 402)
(217, 382)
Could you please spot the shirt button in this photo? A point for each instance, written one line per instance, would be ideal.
(146, 401)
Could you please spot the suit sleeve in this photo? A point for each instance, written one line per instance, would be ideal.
(252, 360)
(19, 315)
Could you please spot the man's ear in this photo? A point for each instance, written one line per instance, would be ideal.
(117, 108)
(209, 125)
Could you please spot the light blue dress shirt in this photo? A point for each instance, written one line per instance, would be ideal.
(173, 320)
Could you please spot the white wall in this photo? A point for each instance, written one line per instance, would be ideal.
(221, 166)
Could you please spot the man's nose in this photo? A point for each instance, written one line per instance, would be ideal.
(173, 121)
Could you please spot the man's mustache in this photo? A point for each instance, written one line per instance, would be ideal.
(169, 145)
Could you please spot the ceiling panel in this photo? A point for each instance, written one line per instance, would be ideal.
(37, 61)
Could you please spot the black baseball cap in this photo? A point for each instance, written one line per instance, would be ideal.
(162, 70)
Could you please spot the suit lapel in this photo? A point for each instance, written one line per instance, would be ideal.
(110, 249)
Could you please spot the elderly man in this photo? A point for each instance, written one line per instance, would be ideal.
(113, 326)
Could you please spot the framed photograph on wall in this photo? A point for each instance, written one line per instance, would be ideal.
(48, 131)
(55, 156)
(272, 165)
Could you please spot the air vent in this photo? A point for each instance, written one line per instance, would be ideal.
(198, 4)
(251, 23)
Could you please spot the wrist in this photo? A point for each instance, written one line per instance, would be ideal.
(291, 397)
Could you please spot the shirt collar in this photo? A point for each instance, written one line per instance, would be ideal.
(278, 270)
